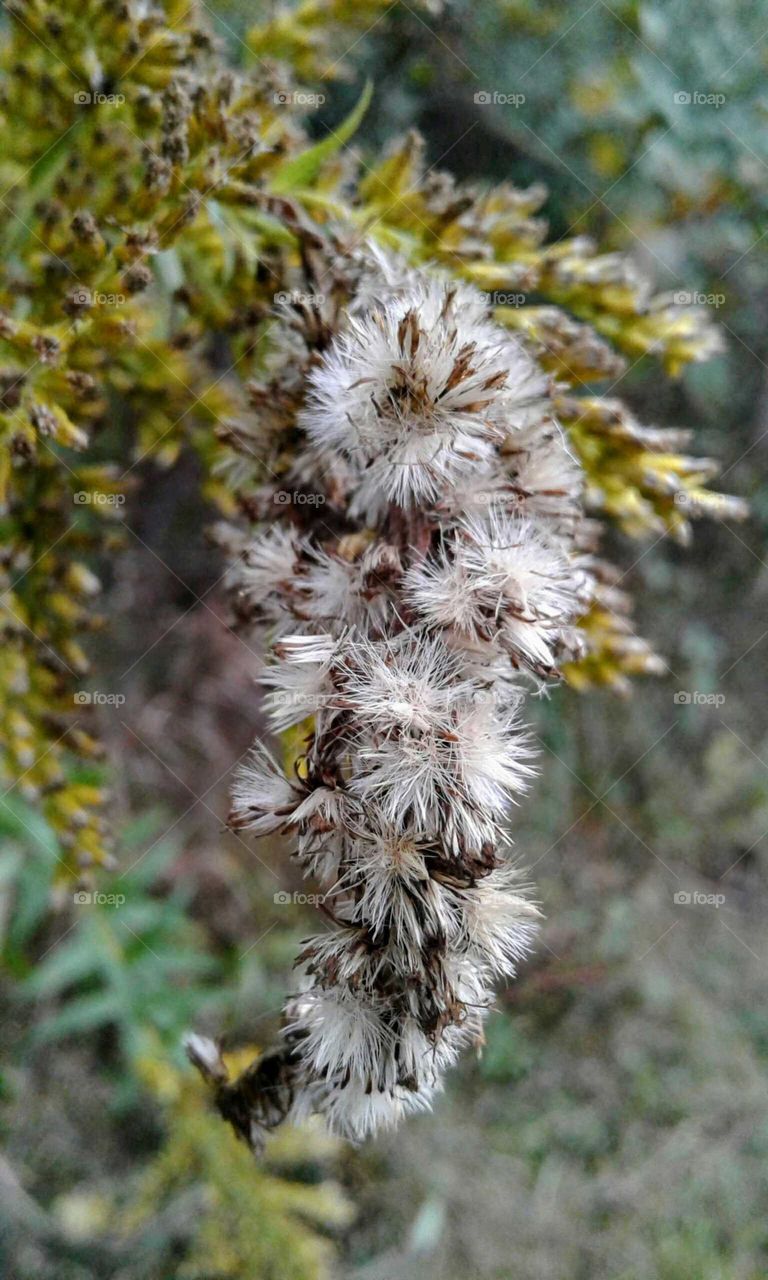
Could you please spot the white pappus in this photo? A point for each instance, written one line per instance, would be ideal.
(405, 617)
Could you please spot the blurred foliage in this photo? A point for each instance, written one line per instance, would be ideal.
(136, 962)
(155, 201)
(616, 1125)
(26, 883)
(254, 1220)
(132, 971)
(647, 121)
(663, 101)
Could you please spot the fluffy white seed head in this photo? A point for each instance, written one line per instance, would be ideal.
(406, 616)
(418, 393)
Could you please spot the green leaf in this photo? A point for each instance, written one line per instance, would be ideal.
(302, 171)
(168, 270)
(26, 875)
(36, 186)
(84, 1014)
(20, 821)
(66, 964)
(268, 228)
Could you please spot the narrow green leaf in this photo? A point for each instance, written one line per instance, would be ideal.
(71, 962)
(303, 170)
(37, 185)
(83, 1014)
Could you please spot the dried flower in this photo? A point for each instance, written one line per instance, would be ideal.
(417, 627)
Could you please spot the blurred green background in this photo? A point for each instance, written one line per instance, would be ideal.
(617, 1124)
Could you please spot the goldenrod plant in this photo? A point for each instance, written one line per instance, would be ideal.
(274, 1220)
(408, 371)
(134, 973)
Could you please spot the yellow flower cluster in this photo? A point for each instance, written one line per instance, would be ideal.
(154, 203)
(255, 1218)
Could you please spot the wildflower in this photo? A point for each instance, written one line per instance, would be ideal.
(418, 393)
(499, 580)
(406, 625)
